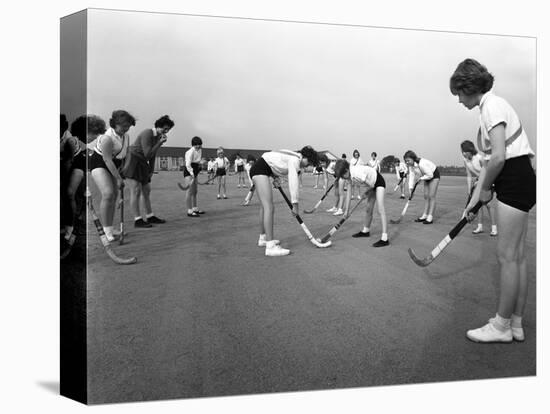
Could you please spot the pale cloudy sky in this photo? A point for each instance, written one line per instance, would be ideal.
(263, 84)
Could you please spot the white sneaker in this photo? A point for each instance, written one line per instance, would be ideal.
(488, 333)
(261, 241)
(518, 334)
(273, 248)
(478, 229)
(332, 210)
(338, 212)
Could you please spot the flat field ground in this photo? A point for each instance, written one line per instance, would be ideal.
(204, 313)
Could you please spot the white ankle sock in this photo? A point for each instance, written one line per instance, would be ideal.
(149, 215)
(137, 218)
(365, 230)
(501, 323)
(384, 237)
(516, 321)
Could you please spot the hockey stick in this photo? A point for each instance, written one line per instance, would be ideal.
(304, 227)
(121, 239)
(320, 201)
(342, 221)
(249, 195)
(445, 242)
(103, 237)
(399, 183)
(406, 206)
(68, 246)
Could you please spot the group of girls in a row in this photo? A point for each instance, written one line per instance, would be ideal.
(112, 160)
(505, 167)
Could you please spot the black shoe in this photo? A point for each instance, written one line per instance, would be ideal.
(199, 211)
(142, 224)
(361, 234)
(193, 214)
(420, 220)
(155, 220)
(402, 197)
(381, 243)
(428, 222)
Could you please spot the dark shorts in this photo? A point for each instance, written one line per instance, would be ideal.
(194, 166)
(380, 182)
(261, 167)
(220, 172)
(402, 174)
(516, 185)
(436, 175)
(319, 169)
(79, 162)
(240, 168)
(138, 168)
(96, 161)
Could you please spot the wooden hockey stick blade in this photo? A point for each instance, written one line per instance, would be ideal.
(119, 260)
(445, 242)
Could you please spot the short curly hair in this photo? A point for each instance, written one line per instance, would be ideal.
(164, 121)
(341, 167)
(468, 146)
(86, 125)
(121, 116)
(311, 155)
(471, 78)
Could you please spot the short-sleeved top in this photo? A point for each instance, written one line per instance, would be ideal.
(494, 110)
(474, 165)
(221, 162)
(286, 163)
(363, 174)
(424, 169)
(374, 164)
(400, 169)
(239, 161)
(210, 165)
(356, 161)
(120, 143)
(148, 138)
(330, 168)
(192, 156)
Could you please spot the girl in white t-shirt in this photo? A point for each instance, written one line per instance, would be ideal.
(427, 172)
(109, 151)
(221, 165)
(239, 170)
(277, 164)
(509, 169)
(473, 161)
(355, 161)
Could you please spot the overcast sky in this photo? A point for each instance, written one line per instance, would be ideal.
(261, 84)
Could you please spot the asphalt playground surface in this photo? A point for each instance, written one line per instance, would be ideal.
(204, 313)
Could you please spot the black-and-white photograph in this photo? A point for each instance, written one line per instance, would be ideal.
(262, 206)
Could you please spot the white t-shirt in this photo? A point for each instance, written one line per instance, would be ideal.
(120, 143)
(192, 156)
(363, 174)
(495, 110)
(473, 166)
(285, 162)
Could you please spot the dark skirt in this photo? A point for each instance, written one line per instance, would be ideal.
(516, 185)
(220, 172)
(261, 167)
(240, 168)
(138, 168)
(436, 175)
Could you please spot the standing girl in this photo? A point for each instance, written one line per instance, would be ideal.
(139, 168)
(373, 162)
(193, 157)
(276, 164)
(430, 175)
(509, 169)
(376, 188)
(401, 172)
(239, 169)
(473, 161)
(109, 151)
(356, 160)
(221, 164)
